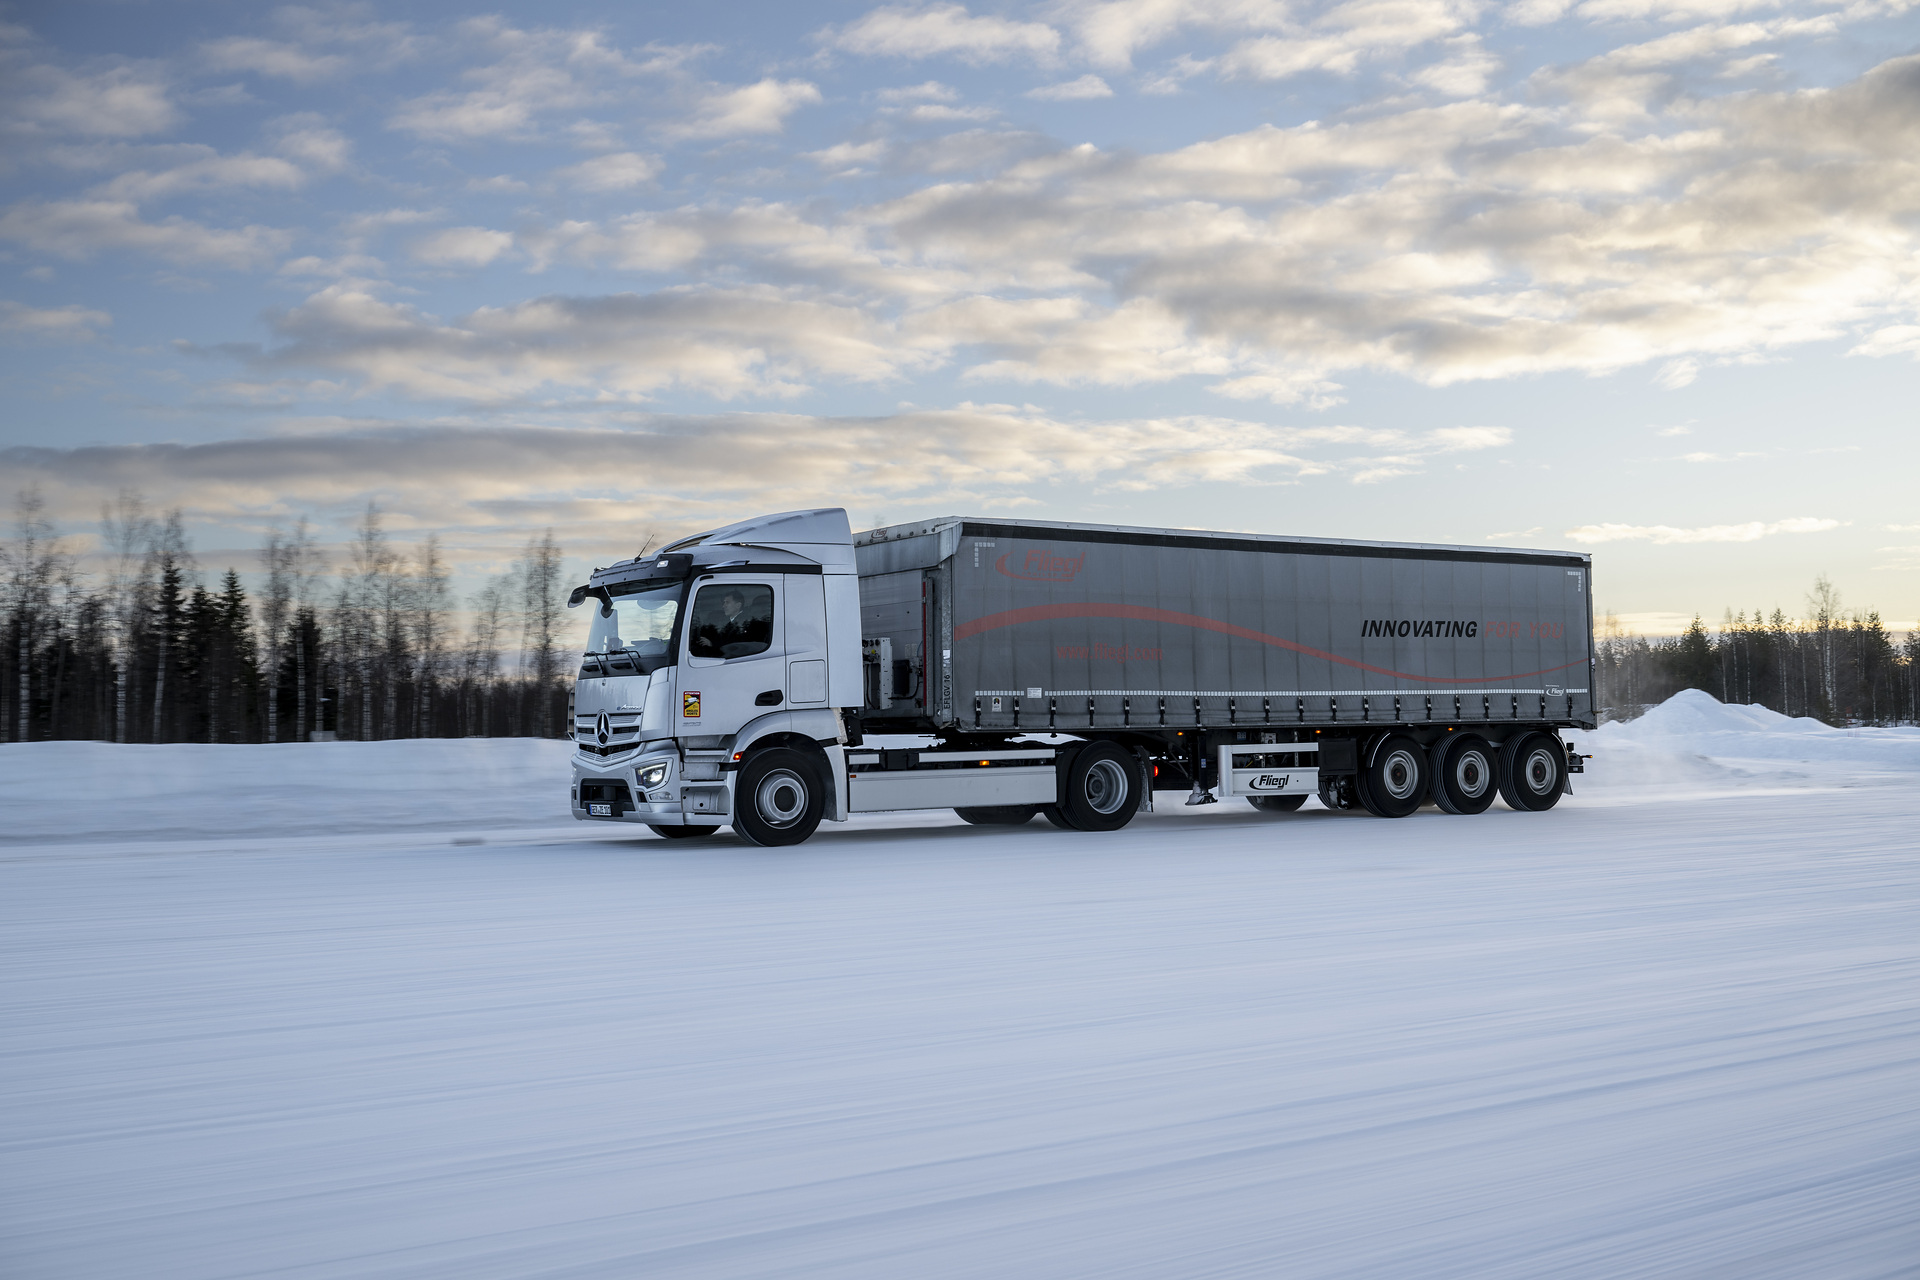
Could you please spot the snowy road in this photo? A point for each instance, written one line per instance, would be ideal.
(1671, 1032)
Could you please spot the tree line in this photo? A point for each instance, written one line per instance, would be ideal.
(1832, 664)
(146, 649)
(370, 647)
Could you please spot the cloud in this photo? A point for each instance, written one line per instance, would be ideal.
(1664, 535)
(122, 102)
(926, 91)
(942, 30)
(534, 74)
(462, 247)
(83, 229)
(620, 171)
(673, 466)
(273, 58)
(1111, 32)
(619, 347)
(753, 108)
(74, 323)
(207, 171)
(1081, 90)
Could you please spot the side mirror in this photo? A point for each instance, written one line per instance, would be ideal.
(579, 594)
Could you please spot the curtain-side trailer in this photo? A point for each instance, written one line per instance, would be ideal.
(1070, 671)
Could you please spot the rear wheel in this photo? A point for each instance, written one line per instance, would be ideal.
(1103, 786)
(1533, 771)
(1394, 781)
(779, 798)
(681, 833)
(998, 815)
(1465, 773)
(1276, 804)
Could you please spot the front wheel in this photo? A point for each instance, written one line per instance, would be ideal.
(1533, 771)
(779, 798)
(1102, 791)
(681, 833)
(1276, 804)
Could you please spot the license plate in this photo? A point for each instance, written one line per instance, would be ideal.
(600, 810)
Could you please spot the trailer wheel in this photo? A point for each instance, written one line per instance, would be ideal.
(1465, 773)
(1393, 782)
(998, 815)
(1533, 771)
(1276, 804)
(1102, 789)
(681, 833)
(779, 798)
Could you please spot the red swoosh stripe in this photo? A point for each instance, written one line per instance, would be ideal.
(1140, 613)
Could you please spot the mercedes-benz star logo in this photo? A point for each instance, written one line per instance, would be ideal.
(602, 728)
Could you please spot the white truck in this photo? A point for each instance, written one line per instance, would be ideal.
(1068, 671)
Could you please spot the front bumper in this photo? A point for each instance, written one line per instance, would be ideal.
(673, 802)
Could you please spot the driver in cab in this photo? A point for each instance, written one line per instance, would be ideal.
(732, 622)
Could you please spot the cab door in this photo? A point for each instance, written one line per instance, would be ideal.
(733, 667)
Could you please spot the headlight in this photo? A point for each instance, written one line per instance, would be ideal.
(651, 776)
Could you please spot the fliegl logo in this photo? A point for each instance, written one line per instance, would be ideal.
(1040, 565)
(1269, 782)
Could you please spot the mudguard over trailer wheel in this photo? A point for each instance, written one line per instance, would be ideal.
(1465, 771)
(1393, 777)
(1533, 771)
(681, 833)
(998, 815)
(1100, 791)
(1276, 804)
(780, 797)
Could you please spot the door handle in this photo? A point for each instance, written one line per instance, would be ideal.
(771, 698)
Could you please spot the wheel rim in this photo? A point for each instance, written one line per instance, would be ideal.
(1472, 774)
(1539, 772)
(781, 798)
(1106, 787)
(1400, 774)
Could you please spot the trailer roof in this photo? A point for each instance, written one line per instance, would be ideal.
(993, 526)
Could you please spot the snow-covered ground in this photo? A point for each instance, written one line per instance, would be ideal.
(383, 1010)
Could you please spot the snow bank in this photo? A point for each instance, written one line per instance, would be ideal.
(89, 789)
(1693, 740)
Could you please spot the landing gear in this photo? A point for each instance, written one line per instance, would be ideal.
(1465, 773)
(780, 797)
(1533, 771)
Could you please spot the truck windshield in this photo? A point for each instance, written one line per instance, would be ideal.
(641, 625)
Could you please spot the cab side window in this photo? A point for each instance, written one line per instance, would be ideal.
(731, 620)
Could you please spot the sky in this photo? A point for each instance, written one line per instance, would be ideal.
(1633, 277)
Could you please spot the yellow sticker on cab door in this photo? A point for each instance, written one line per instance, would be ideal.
(690, 705)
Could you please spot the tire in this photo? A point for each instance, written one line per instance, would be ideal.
(1276, 804)
(1393, 781)
(1056, 818)
(779, 797)
(1102, 788)
(1466, 773)
(999, 815)
(681, 833)
(1533, 771)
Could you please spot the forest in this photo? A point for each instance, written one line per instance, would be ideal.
(149, 648)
